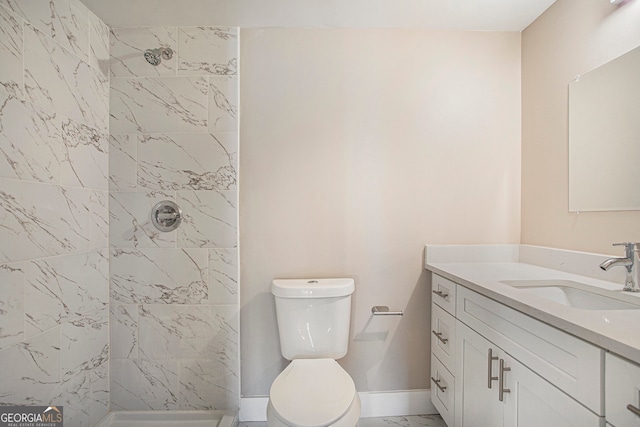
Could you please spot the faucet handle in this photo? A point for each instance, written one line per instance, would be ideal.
(630, 248)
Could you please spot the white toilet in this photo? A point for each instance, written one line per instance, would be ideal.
(313, 324)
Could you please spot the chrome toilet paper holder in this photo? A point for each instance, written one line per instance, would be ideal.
(383, 310)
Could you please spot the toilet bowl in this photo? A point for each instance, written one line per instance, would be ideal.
(313, 393)
(313, 325)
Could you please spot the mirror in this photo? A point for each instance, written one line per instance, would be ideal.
(604, 137)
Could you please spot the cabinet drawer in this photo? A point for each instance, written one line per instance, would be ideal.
(443, 336)
(442, 390)
(444, 293)
(569, 363)
(622, 388)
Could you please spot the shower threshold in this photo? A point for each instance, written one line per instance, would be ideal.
(169, 419)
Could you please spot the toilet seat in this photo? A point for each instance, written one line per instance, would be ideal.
(312, 393)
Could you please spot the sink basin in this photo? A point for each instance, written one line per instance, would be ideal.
(573, 294)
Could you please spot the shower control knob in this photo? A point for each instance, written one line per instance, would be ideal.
(166, 216)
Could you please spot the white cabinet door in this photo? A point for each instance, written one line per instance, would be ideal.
(518, 397)
(533, 402)
(476, 405)
(571, 364)
(622, 392)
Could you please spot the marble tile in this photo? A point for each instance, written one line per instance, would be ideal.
(188, 161)
(130, 225)
(144, 384)
(210, 219)
(128, 46)
(11, 45)
(34, 374)
(12, 278)
(70, 26)
(162, 104)
(223, 103)
(123, 162)
(159, 276)
(30, 142)
(42, 220)
(84, 368)
(190, 332)
(406, 421)
(87, 218)
(403, 421)
(98, 402)
(60, 289)
(57, 80)
(208, 50)
(99, 45)
(84, 344)
(38, 13)
(223, 276)
(203, 386)
(86, 156)
(124, 330)
(65, 21)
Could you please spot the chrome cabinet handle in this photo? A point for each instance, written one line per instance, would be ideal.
(633, 409)
(502, 390)
(441, 294)
(437, 383)
(490, 359)
(439, 336)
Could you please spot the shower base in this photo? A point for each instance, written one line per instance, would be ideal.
(169, 419)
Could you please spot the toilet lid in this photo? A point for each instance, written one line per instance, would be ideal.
(312, 392)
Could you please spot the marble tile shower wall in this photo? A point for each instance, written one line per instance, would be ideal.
(54, 288)
(174, 296)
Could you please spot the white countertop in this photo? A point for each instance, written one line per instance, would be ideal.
(617, 331)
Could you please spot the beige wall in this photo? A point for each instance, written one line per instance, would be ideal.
(573, 37)
(357, 148)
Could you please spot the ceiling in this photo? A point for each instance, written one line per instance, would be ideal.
(460, 15)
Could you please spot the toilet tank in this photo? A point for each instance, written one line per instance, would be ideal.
(313, 317)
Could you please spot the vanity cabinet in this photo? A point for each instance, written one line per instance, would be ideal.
(494, 389)
(443, 347)
(509, 369)
(622, 392)
(569, 363)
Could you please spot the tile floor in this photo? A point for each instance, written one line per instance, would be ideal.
(408, 421)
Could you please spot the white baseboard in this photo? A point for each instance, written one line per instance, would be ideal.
(374, 404)
(396, 403)
(253, 409)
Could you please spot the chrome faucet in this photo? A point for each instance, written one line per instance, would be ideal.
(632, 264)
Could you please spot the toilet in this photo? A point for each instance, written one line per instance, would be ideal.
(313, 324)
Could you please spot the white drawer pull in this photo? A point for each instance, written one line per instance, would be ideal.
(439, 336)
